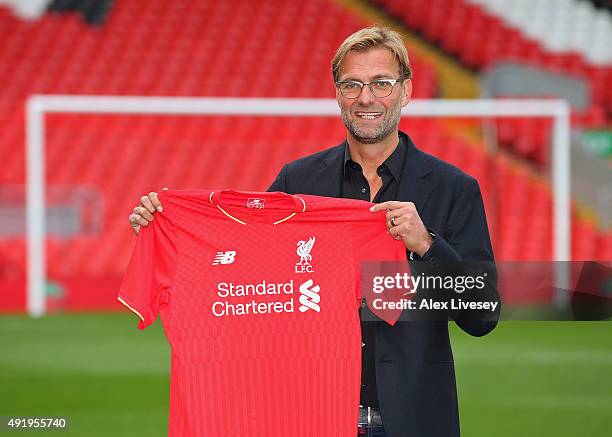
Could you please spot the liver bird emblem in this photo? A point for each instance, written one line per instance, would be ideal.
(303, 251)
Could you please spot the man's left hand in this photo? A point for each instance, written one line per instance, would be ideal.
(404, 223)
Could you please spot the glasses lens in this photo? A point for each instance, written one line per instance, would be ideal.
(350, 89)
(381, 88)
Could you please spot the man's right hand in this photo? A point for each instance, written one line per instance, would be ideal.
(143, 213)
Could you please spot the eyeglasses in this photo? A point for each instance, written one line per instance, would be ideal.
(351, 89)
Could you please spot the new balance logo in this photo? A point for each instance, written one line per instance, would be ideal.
(224, 257)
(255, 203)
(309, 297)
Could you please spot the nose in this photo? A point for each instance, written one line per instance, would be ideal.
(366, 97)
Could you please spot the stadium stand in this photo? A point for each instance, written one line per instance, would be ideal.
(232, 48)
(560, 26)
(569, 37)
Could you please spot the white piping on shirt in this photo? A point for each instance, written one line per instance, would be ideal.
(130, 308)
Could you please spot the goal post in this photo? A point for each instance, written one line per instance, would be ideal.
(37, 106)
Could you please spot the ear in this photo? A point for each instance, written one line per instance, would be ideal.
(338, 96)
(407, 94)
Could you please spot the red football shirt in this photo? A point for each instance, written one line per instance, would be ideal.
(258, 295)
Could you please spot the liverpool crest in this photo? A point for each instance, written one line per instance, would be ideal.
(304, 247)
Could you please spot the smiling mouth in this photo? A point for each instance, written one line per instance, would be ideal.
(368, 115)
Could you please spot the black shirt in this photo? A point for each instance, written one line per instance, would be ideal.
(355, 186)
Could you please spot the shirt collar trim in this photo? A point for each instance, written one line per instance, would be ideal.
(300, 204)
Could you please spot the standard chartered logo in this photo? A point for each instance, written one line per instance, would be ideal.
(265, 298)
(310, 297)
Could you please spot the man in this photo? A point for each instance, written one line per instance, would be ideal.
(408, 380)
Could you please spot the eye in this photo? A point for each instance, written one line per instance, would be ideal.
(350, 86)
(382, 84)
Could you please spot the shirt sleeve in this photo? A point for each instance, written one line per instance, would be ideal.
(377, 254)
(149, 276)
(371, 241)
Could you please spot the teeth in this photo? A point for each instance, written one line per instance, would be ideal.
(368, 115)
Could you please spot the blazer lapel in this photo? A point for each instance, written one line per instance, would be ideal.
(416, 181)
(327, 180)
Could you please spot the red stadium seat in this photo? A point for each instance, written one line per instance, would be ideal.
(237, 48)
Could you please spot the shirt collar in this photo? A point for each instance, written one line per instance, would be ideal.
(395, 161)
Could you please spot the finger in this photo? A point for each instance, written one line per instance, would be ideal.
(401, 230)
(398, 217)
(395, 233)
(394, 221)
(155, 201)
(391, 204)
(137, 221)
(144, 213)
(146, 203)
(397, 213)
(406, 214)
(135, 227)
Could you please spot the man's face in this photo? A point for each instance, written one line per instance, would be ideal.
(371, 119)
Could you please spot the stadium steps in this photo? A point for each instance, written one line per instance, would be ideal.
(561, 26)
(455, 81)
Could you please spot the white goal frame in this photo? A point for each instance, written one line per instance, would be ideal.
(39, 105)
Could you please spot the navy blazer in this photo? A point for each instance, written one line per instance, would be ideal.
(414, 363)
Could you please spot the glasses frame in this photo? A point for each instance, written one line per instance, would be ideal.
(369, 84)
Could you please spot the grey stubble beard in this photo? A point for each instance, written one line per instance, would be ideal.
(388, 125)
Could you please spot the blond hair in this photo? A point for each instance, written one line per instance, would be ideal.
(369, 38)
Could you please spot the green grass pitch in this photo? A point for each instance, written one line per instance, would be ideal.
(524, 379)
